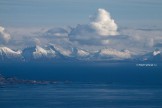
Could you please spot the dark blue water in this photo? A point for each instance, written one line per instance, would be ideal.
(103, 85)
(79, 95)
(85, 72)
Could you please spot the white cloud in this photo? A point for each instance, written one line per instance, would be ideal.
(100, 27)
(56, 32)
(103, 24)
(4, 36)
(141, 39)
(27, 37)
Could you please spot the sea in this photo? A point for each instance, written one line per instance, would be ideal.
(83, 85)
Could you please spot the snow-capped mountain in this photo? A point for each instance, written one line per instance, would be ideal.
(9, 54)
(69, 52)
(111, 54)
(156, 52)
(37, 52)
(55, 52)
(152, 56)
(80, 53)
(60, 51)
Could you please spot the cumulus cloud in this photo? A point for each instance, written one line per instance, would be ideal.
(4, 36)
(101, 26)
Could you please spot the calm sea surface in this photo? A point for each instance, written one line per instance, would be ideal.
(79, 95)
(83, 86)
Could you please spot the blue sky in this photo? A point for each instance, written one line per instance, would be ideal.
(25, 13)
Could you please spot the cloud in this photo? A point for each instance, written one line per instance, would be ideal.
(56, 32)
(4, 36)
(138, 40)
(27, 37)
(103, 24)
(37, 41)
(100, 27)
(101, 32)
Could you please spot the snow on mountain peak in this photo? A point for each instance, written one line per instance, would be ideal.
(7, 53)
(82, 53)
(55, 52)
(63, 51)
(156, 52)
(39, 52)
(8, 50)
(115, 53)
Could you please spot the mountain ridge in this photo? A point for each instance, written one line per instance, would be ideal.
(56, 53)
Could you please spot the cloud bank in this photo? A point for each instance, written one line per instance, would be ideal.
(100, 34)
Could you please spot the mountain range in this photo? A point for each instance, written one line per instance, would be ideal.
(54, 52)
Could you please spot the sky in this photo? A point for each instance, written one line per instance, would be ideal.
(133, 26)
(34, 13)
